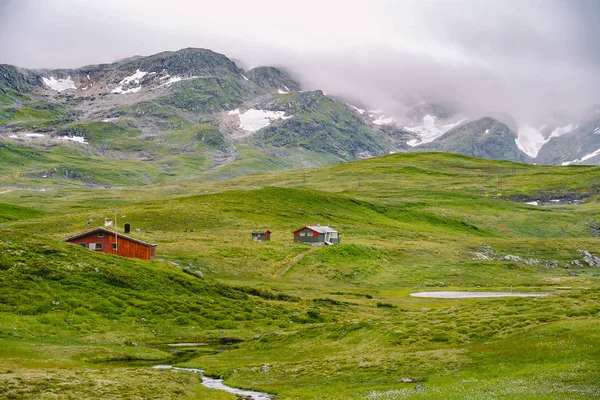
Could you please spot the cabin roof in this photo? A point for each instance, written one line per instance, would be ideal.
(108, 232)
(318, 229)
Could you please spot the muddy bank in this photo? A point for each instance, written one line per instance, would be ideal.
(552, 199)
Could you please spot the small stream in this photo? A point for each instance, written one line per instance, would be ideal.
(212, 383)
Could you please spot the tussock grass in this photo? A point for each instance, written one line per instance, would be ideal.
(332, 322)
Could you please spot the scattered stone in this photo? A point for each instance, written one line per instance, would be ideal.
(480, 256)
(551, 264)
(405, 380)
(593, 227)
(419, 387)
(56, 303)
(566, 266)
(573, 273)
(442, 284)
(591, 259)
(69, 321)
(265, 368)
(528, 261)
(425, 309)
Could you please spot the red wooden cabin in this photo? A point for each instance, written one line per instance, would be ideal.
(107, 241)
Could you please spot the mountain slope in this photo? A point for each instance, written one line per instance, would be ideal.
(483, 138)
(321, 124)
(194, 113)
(580, 146)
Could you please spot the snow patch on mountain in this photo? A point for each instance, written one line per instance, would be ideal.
(78, 139)
(174, 79)
(429, 131)
(130, 80)
(584, 158)
(559, 131)
(378, 118)
(253, 120)
(383, 120)
(358, 110)
(59, 85)
(530, 140)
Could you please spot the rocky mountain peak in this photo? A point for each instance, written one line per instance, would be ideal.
(273, 79)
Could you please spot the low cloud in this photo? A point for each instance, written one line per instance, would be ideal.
(528, 59)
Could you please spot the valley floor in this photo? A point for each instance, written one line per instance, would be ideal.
(304, 322)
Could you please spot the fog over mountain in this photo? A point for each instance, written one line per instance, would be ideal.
(531, 60)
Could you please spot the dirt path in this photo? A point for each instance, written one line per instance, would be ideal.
(295, 260)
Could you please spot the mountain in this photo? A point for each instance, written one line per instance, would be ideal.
(483, 138)
(180, 113)
(579, 146)
(320, 123)
(195, 114)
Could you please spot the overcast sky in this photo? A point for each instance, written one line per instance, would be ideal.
(522, 57)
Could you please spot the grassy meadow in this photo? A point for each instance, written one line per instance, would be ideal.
(304, 322)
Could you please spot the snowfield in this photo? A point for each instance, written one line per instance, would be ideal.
(59, 85)
(174, 79)
(358, 110)
(530, 140)
(383, 120)
(429, 131)
(253, 120)
(584, 158)
(78, 139)
(132, 79)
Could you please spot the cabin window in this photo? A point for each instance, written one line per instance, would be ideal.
(334, 235)
(114, 246)
(303, 233)
(82, 245)
(100, 234)
(98, 246)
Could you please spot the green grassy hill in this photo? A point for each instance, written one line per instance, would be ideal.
(333, 322)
